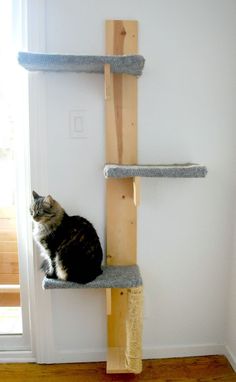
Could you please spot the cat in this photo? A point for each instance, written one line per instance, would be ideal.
(69, 244)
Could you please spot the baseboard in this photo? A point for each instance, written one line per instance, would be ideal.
(19, 356)
(87, 355)
(231, 357)
(83, 355)
(182, 351)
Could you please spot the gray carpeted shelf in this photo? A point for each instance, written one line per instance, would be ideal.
(129, 64)
(122, 276)
(188, 170)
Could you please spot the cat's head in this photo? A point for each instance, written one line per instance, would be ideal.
(45, 210)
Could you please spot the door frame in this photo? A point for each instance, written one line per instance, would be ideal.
(19, 347)
(36, 343)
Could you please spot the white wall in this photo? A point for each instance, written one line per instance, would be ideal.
(186, 113)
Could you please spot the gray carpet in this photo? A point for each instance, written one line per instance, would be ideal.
(123, 276)
(129, 64)
(187, 170)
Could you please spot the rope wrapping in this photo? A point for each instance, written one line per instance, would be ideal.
(134, 329)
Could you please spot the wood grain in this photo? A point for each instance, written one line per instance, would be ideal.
(9, 299)
(121, 148)
(136, 190)
(116, 362)
(121, 108)
(107, 81)
(9, 268)
(9, 278)
(8, 246)
(121, 218)
(192, 369)
(116, 321)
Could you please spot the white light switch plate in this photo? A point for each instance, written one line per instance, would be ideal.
(77, 124)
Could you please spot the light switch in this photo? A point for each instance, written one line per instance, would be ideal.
(77, 124)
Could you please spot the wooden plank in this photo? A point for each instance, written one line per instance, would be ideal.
(116, 361)
(136, 190)
(121, 108)
(117, 319)
(8, 235)
(121, 218)
(8, 268)
(121, 148)
(191, 369)
(10, 299)
(8, 246)
(121, 37)
(121, 145)
(121, 120)
(107, 81)
(7, 224)
(9, 278)
(9, 257)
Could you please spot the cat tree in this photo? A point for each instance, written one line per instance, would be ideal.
(121, 277)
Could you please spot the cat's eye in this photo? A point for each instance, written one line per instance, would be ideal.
(37, 213)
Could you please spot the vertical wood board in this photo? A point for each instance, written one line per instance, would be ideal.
(121, 148)
(121, 107)
(121, 223)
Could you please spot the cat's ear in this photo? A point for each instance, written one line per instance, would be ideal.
(48, 199)
(35, 195)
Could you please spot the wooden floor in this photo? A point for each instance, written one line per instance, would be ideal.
(192, 369)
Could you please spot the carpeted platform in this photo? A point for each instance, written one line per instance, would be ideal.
(187, 170)
(122, 276)
(129, 64)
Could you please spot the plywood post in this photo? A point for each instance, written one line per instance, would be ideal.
(121, 148)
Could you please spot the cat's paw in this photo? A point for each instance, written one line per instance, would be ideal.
(51, 275)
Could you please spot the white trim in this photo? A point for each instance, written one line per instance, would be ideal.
(182, 351)
(36, 22)
(83, 355)
(231, 357)
(33, 31)
(41, 312)
(88, 355)
(41, 303)
(43, 332)
(21, 342)
(17, 357)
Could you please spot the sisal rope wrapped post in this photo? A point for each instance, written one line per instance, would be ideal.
(134, 328)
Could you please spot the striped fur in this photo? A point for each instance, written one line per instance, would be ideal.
(70, 244)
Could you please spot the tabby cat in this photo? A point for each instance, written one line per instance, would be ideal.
(70, 244)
